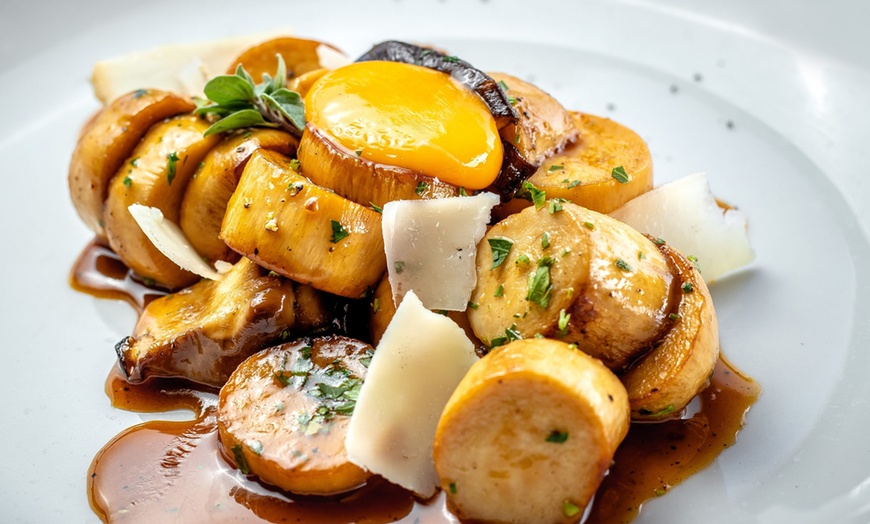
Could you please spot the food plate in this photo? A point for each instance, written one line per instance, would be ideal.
(774, 113)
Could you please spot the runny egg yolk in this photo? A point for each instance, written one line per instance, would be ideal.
(409, 116)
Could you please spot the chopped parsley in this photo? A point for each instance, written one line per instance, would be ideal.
(338, 232)
(545, 240)
(558, 437)
(499, 291)
(555, 205)
(172, 160)
(241, 462)
(128, 181)
(622, 264)
(533, 194)
(564, 318)
(523, 259)
(570, 509)
(556, 167)
(688, 287)
(694, 260)
(295, 164)
(501, 247)
(421, 188)
(619, 175)
(540, 286)
(376, 208)
(572, 184)
(588, 225)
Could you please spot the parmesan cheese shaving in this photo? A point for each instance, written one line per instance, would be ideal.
(686, 215)
(431, 247)
(168, 238)
(182, 68)
(419, 361)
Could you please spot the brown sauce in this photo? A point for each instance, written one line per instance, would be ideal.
(99, 272)
(162, 471)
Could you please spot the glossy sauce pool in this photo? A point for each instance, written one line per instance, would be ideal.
(163, 471)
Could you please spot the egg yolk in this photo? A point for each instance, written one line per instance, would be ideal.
(409, 116)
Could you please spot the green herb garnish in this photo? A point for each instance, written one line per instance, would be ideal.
(559, 437)
(421, 188)
(533, 194)
(688, 287)
(622, 264)
(539, 284)
(338, 232)
(500, 247)
(240, 103)
(172, 160)
(556, 167)
(499, 291)
(620, 175)
(241, 462)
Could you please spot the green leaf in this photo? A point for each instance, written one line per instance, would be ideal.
(244, 118)
(289, 104)
(620, 175)
(226, 89)
(280, 78)
(500, 249)
(338, 232)
(539, 284)
(241, 462)
(558, 437)
(537, 196)
(241, 73)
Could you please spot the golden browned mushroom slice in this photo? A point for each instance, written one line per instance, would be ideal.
(155, 175)
(300, 56)
(569, 273)
(608, 166)
(330, 165)
(284, 222)
(203, 332)
(544, 127)
(666, 379)
(283, 414)
(206, 197)
(108, 140)
(529, 434)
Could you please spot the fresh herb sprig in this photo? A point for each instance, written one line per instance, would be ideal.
(240, 103)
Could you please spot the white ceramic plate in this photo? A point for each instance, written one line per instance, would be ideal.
(771, 101)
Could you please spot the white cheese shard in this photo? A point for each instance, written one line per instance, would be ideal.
(686, 215)
(182, 68)
(168, 238)
(419, 361)
(431, 247)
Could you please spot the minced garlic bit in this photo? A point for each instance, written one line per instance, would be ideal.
(271, 223)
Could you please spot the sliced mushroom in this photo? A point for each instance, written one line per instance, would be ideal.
(284, 222)
(666, 379)
(607, 166)
(203, 332)
(284, 412)
(300, 56)
(529, 433)
(107, 141)
(544, 126)
(155, 175)
(330, 165)
(206, 197)
(574, 275)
